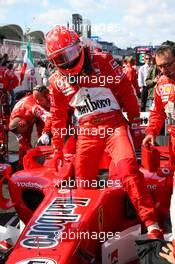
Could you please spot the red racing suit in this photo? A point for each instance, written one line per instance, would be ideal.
(172, 214)
(28, 109)
(98, 99)
(11, 80)
(132, 77)
(164, 94)
(8, 79)
(8, 82)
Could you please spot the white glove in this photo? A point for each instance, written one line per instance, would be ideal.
(170, 110)
(44, 139)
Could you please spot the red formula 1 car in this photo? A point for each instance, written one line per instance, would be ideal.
(65, 223)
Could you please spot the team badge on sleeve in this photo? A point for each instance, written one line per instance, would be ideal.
(113, 63)
(65, 87)
(119, 74)
(96, 68)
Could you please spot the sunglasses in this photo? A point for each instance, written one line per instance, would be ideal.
(166, 65)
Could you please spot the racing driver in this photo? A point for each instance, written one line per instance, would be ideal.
(94, 85)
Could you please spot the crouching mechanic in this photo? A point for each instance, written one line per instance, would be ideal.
(95, 86)
(30, 110)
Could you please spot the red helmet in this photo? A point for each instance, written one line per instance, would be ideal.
(65, 50)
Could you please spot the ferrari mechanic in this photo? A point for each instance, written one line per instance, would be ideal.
(164, 100)
(31, 109)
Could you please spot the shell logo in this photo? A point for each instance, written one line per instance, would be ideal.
(167, 89)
